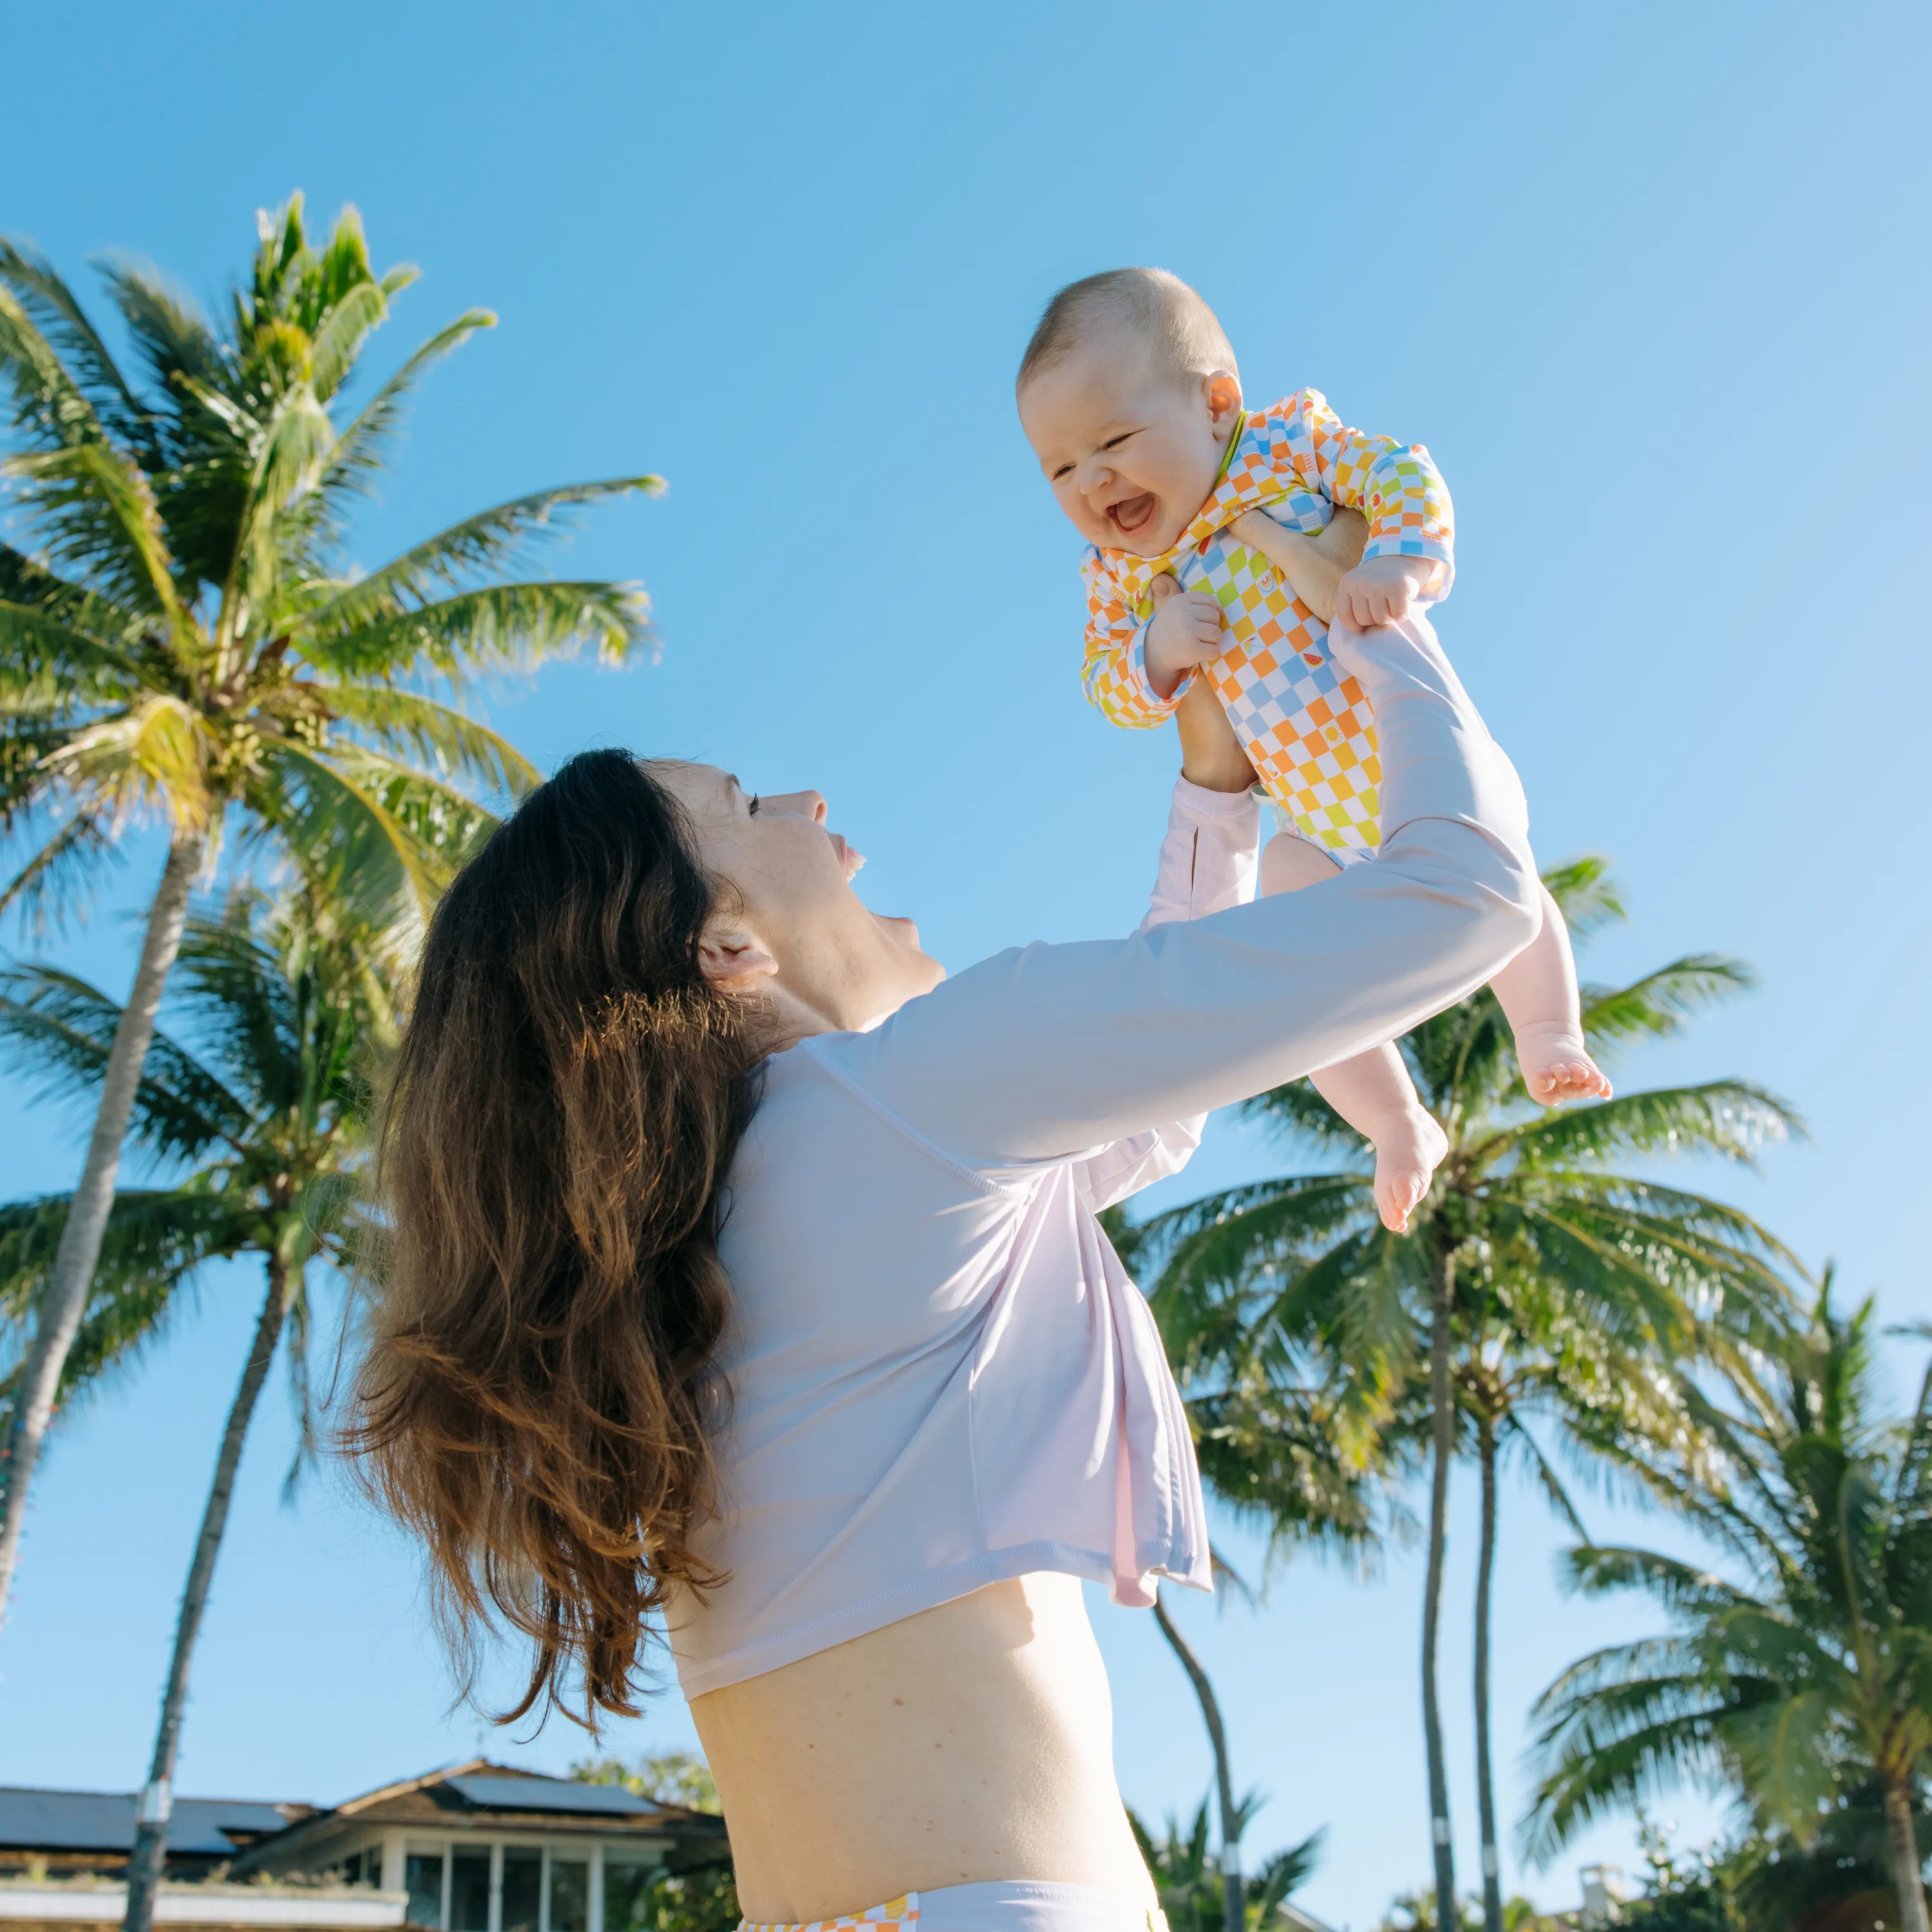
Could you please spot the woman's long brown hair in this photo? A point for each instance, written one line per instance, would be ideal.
(537, 1396)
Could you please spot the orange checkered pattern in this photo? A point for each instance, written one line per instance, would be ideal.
(903, 1911)
(1306, 724)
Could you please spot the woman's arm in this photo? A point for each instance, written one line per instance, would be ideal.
(1053, 1049)
(1314, 565)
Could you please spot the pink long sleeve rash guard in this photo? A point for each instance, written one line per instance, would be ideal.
(940, 1374)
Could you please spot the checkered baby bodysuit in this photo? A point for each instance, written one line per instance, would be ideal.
(1303, 721)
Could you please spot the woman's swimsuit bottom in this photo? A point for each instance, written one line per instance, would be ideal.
(1005, 1905)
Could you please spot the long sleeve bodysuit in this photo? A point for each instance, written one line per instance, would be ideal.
(939, 1374)
(1304, 722)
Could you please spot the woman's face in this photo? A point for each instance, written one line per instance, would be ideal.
(789, 928)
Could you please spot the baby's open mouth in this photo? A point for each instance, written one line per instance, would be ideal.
(1133, 516)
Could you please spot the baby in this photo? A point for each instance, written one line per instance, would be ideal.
(1131, 398)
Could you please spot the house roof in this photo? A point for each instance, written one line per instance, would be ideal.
(104, 1821)
(485, 1792)
(481, 1795)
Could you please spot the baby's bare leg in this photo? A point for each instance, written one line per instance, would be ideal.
(1538, 992)
(1373, 1092)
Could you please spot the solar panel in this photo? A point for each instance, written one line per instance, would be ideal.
(549, 1794)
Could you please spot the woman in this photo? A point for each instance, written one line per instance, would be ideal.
(743, 1271)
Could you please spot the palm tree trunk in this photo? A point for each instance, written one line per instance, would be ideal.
(145, 1862)
(64, 1300)
(1485, 1795)
(1442, 1418)
(1233, 1898)
(1902, 1848)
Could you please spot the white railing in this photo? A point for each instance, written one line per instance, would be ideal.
(239, 1906)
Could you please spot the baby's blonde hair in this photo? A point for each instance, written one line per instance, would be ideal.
(1174, 322)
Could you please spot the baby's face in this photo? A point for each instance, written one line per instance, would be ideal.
(1131, 455)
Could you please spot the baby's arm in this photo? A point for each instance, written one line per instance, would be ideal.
(1136, 672)
(1411, 522)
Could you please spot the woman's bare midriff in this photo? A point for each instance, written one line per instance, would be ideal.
(970, 1743)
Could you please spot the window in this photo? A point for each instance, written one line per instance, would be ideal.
(569, 1895)
(523, 1887)
(470, 1891)
(627, 1888)
(422, 1877)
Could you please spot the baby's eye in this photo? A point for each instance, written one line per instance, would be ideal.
(1114, 442)
(752, 810)
(1065, 469)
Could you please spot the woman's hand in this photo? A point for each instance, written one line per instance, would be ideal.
(1314, 566)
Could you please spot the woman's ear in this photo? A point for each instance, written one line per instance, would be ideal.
(1223, 392)
(732, 959)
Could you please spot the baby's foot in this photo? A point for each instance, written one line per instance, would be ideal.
(1555, 1068)
(1409, 1148)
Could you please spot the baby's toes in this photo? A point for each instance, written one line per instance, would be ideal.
(1398, 1195)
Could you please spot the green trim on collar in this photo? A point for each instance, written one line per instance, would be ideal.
(1228, 454)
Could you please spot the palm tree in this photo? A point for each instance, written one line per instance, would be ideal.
(1190, 1889)
(1809, 1682)
(1597, 1288)
(1266, 1443)
(1233, 1811)
(270, 1125)
(188, 638)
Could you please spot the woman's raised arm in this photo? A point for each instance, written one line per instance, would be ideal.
(1047, 1050)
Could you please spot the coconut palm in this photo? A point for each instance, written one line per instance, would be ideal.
(1190, 1888)
(1804, 1678)
(182, 636)
(269, 1122)
(1535, 1250)
(1267, 1445)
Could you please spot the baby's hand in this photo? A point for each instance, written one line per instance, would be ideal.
(1186, 632)
(1384, 589)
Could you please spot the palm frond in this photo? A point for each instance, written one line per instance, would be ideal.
(58, 1029)
(173, 337)
(507, 627)
(44, 660)
(1585, 894)
(49, 406)
(1298, 1110)
(487, 541)
(385, 839)
(63, 325)
(153, 753)
(57, 881)
(230, 985)
(1732, 1119)
(155, 1241)
(438, 736)
(361, 448)
(340, 340)
(1656, 1007)
(97, 515)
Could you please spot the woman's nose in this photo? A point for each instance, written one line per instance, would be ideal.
(798, 805)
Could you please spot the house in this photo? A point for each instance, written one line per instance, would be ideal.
(479, 1847)
(484, 1847)
(62, 1833)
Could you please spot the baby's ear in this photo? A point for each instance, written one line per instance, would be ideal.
(1223, 394)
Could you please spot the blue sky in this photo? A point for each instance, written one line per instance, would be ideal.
(1650, 282)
